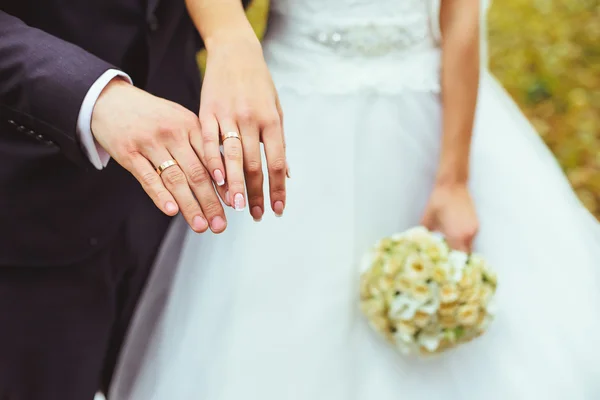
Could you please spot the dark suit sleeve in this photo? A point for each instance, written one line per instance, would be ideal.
(43, 81)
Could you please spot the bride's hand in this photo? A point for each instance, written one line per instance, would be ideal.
(238, 95)
(451, 211)
(239, 108)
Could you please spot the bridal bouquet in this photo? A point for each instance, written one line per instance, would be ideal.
(422, 296)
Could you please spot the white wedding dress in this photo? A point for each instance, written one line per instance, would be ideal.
(269, 310)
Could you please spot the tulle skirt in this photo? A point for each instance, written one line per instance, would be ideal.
(269, 310)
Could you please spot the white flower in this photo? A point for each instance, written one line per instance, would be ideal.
(374, 306)
(457, 261)
(422, 319)
(404, 344)
(422, 293)
(417, 268)
(486, 293)
(407, 329)
(403, 284)
(417, 233)
(430, 341)
(448, 309)
(467, 315)
(430, 307)
(367, 261)
(440, 272)
(448, 293)
(485, 323)
(403, 308)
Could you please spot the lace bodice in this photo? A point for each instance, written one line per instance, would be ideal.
(347, 45)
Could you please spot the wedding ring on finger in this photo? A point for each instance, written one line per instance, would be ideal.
(169, 163)
(230, 135)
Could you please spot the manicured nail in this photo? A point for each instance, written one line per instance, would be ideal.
(278, 208)
(238, 202)
(199, 224)
(171, 207)
(257, 213)
(219, 178)
(218, 224)
(227, 198)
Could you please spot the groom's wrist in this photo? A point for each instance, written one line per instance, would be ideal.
(96, 153)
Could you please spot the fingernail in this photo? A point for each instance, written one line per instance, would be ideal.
(287, 171)
(238, 202)
(218, 224)
(219, 178)
(199, 223)
(227, 198)
(171, 207)
(257, 213)
(278, 208)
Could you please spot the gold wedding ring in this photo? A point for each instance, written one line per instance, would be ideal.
(165, 165)
(230, 135)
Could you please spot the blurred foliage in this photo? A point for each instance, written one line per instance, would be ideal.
(547, 55)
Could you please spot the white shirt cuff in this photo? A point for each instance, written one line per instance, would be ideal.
(96, 154)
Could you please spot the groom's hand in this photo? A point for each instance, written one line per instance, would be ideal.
(142, 132)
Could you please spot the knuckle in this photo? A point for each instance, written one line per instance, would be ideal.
(278, 193)
(173, 176)
(471, 233)
(198, 174)
(170, 134)
(129, 149)
(209, 136)
(193, 121)
(149, 143)
(253, 167)
(236, 187)
(149, 179)
(245, 115)
(211, 207)
(191, 206)
(257, 199)
(212, 160)
(278, 165)
(271, 121)
(189, 119)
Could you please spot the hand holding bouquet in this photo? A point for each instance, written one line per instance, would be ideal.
(422, 296)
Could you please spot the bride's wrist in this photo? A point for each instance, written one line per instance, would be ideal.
(452, 178)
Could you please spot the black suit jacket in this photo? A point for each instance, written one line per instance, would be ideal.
(54, 206)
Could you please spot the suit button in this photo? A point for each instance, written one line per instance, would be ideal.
(39, 137)
(153, 23)
(10, 121)
(30, 132)
(21, 128)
